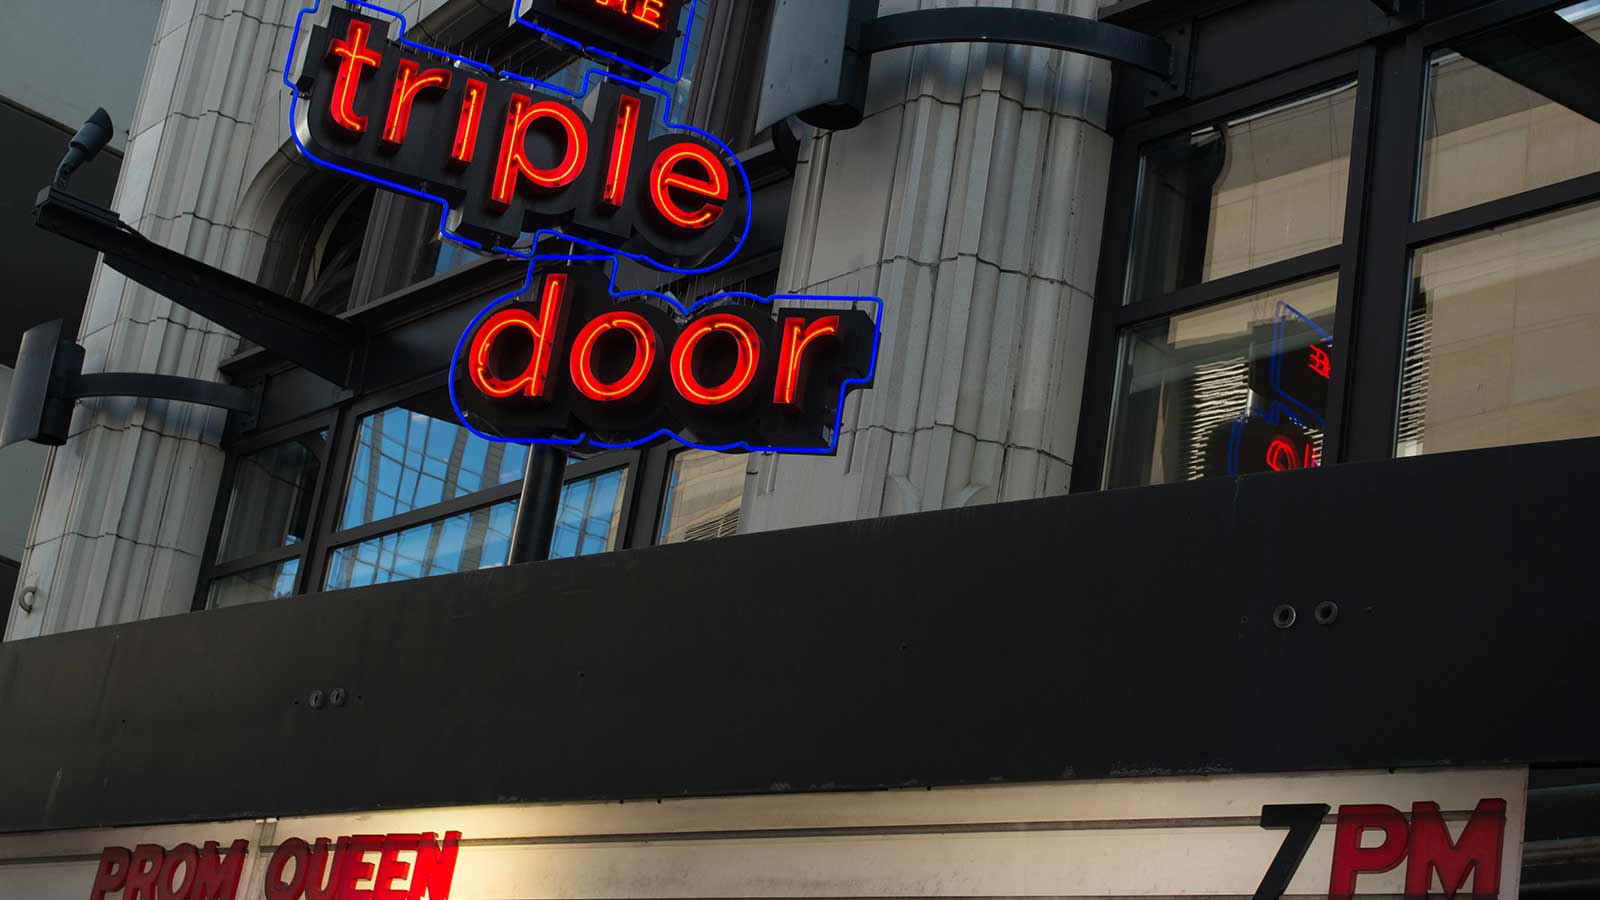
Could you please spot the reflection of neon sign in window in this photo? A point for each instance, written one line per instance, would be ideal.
(1279, 429)
(1282, 456)
(1320, 362)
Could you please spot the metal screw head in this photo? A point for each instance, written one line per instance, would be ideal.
(336, 696)
(316, 700)
(1326, 613)
(1284, 616)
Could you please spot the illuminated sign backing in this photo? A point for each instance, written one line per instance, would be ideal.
(639, 31)
(1421, 834)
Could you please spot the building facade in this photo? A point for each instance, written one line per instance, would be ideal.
(1344, 239)
(44, 95)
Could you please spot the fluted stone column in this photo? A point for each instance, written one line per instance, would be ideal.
(123, 517)
(971, 200)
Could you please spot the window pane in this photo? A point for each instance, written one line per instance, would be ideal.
(271, 582)
(406, 460)
(1512, 109)
(480, 539)
(270, 504)
(704, 493)
(1231, 389)
(590, 515)
(1501, 337)
(1260, 189)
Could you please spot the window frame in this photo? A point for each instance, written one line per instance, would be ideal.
(1114, 318)
(211, 570)
(1374, 261)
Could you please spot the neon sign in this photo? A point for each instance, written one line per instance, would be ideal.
(641, 32)
(569, 360)
(507, 159)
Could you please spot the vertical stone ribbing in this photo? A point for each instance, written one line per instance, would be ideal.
(971, 200)
(123, 517)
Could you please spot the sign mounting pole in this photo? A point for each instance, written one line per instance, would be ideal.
(539, 504)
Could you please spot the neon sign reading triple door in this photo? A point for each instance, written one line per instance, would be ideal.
(570, 361)
(508, 160)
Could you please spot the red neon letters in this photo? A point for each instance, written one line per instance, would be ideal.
(797, 336)
(644, 12)
(1424, 845)
(747, 346)
(621, 151)
(408, 83)
(667, 175)
(185, 872)
(354, 56)
(613, 354)
(644, 356)
(552, 165)
(531, 382)
(514, 153)
(461, 149)
(1320, 362)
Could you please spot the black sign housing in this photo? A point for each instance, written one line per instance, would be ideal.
(615, 26)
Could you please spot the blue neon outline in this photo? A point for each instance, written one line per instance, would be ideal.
(1276, 409)
(588, 83)
(588, 50)
(744, 446)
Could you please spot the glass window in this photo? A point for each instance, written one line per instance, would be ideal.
(269, 582)
(1234, 388)
(406, 460)
(704, 493)
(270, 504)
(1509, 110)
(1502, 334)
(1232, 197)
(590, 515)
(480, 539)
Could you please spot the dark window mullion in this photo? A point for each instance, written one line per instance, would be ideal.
(1322, 73)
(330, 499)
(219, 517)
(1505, 210)
(1363, 156)
(426, 514)
(642, 525)
(240, 449)
(1253, 281)
(1375, 347)
(1100, 383)
(599, 465)
(254, 561)
(1487, 16)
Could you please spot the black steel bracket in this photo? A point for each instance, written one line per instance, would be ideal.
(819, 56)
(1175, 84)
(49, 381)
(324, 345)
(1029, 27)
(244, 401)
